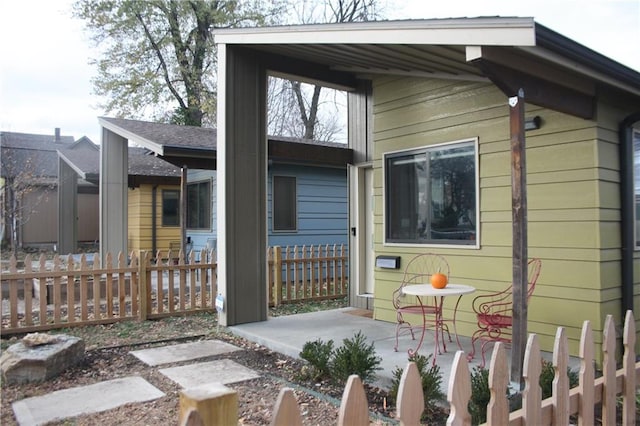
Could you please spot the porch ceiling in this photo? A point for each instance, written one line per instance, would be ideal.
(462, 49)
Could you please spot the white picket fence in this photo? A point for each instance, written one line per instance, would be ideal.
(220, 407)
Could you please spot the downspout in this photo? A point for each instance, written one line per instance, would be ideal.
(154, 232)
(627, 209)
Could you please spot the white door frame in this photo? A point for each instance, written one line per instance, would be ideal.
(361, 254)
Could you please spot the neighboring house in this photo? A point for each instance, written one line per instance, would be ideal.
(30, 210)
(153, 196)
(307, 198)
(431, 125)
(310, 183)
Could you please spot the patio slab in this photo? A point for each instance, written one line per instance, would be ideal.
(288, 334)
(183, 352)
(88, 399)
(223, 371)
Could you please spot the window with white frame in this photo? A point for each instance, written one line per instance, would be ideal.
(284, 205)
(431, 194)
(636, 184)
(199, 205)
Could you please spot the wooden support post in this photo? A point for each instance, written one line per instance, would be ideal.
(212, 404)
(519, 218)
(277, 275)
(183, 213)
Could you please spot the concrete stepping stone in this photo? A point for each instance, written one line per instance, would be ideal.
(223, 371)
(88, 399)
(183, 352)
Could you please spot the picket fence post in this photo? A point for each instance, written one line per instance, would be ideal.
(277, 274)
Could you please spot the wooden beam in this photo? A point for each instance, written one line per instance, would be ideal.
(542, 92)
(519, 218)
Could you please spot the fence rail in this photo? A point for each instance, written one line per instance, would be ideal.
(199, 407)
(74, 290)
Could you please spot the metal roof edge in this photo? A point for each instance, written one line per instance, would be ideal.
(481, 30)
(577, 53)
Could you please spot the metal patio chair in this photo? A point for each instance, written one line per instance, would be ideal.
(494, 313)
(419, 271)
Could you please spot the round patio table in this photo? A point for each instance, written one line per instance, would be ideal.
(426, 290)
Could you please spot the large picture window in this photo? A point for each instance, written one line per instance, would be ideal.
(284, 203)
(431, 195)
(199, 205)
(170, 207)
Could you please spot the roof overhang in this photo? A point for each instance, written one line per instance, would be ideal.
(176, 154)
(513, 53)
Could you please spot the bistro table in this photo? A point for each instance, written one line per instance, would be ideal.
(426, 290)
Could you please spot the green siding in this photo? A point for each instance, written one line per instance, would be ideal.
(573, 200)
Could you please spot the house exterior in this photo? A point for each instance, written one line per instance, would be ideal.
(307, 200)
(153, 195)
(309, 180)
(437, 111)
(30, 207)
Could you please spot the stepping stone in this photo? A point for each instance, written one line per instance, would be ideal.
(223, 371)
(183, 352)
(88, 399)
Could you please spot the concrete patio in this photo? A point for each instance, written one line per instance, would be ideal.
(287, 335)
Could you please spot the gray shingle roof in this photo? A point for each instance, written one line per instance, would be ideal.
(31, 153)
(169, 135)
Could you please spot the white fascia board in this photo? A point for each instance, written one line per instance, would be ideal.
(490, 32)
(73, 167)
(146, 143)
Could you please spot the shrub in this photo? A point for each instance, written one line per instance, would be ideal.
(318, 354)
(547, 374)
(355, 357)
(431, 383)
(480, 395)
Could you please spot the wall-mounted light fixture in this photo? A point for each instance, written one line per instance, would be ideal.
(533, 123)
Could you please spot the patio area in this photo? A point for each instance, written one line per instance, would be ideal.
(287, 335)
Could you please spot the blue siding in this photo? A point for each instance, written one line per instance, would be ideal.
(322, 202)
(322, 206)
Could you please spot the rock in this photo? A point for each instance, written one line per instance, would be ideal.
(21, 363)
(37, 339)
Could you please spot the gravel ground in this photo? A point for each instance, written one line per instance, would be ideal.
(107, 357)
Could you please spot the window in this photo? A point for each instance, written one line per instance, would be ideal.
(199, 205)
(284, 203)
(170, 207)
(636, 183)
(431, 195)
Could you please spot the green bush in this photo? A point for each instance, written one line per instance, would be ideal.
(547, 374)
(431, 383)
(355, 357)
(480, 395)
(318, 354)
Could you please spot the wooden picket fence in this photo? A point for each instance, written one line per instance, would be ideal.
(298, 274)
(83, 292)
(70, 293)
(214, 405)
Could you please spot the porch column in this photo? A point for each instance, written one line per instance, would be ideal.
(67, 208)
(242, 166)
(113, 194)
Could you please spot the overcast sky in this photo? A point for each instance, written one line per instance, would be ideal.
(45, 75)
